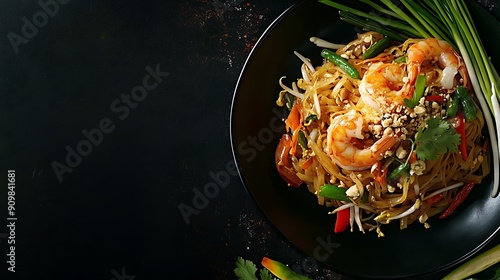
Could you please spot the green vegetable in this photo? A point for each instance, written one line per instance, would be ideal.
(245, 270)
(418, 93)
(309, 119)
(377, 48)
(302, 139)
(401, 59)
(467, 103)
(453, 108)
(333, 192)
(371, 25)
(289, 100)
(340, 62)
(438, 137)
(476, 264)
(495, 277)
(400, 170)
(281, 270)
(448, 20)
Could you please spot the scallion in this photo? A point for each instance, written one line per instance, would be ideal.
(448, 20)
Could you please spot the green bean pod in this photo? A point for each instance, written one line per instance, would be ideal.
(453, 108)
(302, 139)
(377, 48)
(333, 192)
(340, 62)
(417, 93)
(467, 104)
(400, 170)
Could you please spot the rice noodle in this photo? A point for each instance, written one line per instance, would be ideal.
(359, 132)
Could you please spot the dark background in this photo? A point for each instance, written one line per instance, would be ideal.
(115, 211)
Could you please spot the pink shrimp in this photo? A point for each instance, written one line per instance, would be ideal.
(384, 84)
(433, 50)
(390, 83)
(343, 134)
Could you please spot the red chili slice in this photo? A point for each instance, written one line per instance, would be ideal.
(457, 200)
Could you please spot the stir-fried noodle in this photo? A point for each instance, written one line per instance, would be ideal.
(360, 134)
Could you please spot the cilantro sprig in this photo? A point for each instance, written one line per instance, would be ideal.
(437, 137)
(246, 270)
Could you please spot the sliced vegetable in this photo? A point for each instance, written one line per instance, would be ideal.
(434, 199)
(453, 108)
(289, 100)
(333, 192)
(281, 271)
(293, 120)
(400, 170)
(461, 131)
(302, 139)
(307, 163)
(448, 20)
(476, 264)
(342, 221)
(377, 48)
(283, 163)
(435, 98)
(467, 103)
(371, 25)
(340, 62)
(418, 92)
(457, 200)
(309, 119)
(381, 176)
(293, 124)
(401, 59)
(413, 157)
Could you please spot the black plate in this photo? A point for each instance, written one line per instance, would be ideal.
(256, 127)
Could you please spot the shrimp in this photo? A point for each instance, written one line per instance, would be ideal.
(384, 84)
(390, 83)
(433, 50)
(344, 143)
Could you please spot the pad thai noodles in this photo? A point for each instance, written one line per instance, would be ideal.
(383, 131)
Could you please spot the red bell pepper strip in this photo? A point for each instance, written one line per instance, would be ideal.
(435, 98)
(307, 163)
(283, 163)
(434, 199)
(342, 220)
(461, 130)
(457, 200)
(413, 157)
(485, 145)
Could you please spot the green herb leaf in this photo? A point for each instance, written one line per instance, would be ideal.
(245, 269)
(265, 274)
(438, 137)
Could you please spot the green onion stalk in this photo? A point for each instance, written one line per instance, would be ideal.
(447, 20)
